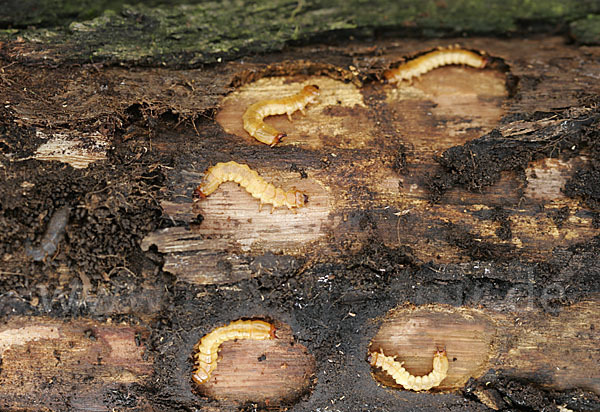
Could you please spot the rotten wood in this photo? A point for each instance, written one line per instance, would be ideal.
(556, 352)
(40, 355)
(272, 372)
(351, 143)
(365, 159)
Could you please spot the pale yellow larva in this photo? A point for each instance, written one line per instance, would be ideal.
(206, 351)
(432, 60)
(402, 377)
(252, 182)
(253, 117)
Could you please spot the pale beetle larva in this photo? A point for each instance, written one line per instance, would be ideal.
(254, 115)
(402, 377)
(252, 182)
(206, 351)
(432, 60)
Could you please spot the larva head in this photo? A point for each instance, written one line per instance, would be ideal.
(484, 62)
(278, 138)
(295, 198)
(198, 193)
(440, 361)
(389, 76)
(372, 358)
(200, 376)
(311, 92)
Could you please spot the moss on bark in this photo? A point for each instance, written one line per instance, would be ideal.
(587, 31)
(189, 34)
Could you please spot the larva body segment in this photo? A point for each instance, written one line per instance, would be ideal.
(255, 113)
(252, 182)
(206, 351)
(402, 377)
(429, 61)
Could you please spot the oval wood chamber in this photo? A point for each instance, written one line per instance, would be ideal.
(414, 334)
(272, 371)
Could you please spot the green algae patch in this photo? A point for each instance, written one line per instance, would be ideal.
(189, 35)
(587, 31)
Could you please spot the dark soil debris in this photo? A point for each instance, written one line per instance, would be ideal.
(585, 184)
(480, 162)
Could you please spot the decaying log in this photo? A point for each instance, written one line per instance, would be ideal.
(463, 177)
(53, 365)
(375, 148)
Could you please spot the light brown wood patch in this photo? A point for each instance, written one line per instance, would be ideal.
(232, 221)
(38, 354)
(415, 334)
(557, 351)
(339, 113)
(256, 371)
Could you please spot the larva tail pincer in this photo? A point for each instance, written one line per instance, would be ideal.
(432, 60)
(206, 351)
(252, 182)
(402, 377)
(254, 115)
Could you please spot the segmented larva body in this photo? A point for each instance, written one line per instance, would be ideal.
(429, 61)
(252, 182)
(206, 351)
(414, 383)
(254, 115)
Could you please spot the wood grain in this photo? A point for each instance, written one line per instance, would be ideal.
(269, 371)
(556, 352)
(414, 335)
(40, 355)
(350, 144)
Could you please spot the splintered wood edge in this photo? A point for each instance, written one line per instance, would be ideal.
(414, 334)
(272, 371)
(232, 221)
(78, 149)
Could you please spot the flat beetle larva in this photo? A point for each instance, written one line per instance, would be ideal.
(252, 182)
(206, 351)
(408, 381)
(432, 60)
(254, 115)
(53, 235)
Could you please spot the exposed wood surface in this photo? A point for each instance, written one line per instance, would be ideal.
(269, 371)
(52, 365)
(77, 150)
(558, 352)
(415, 334)
(365, 163)
(40, 356)
(347, 125)
(352, 138)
